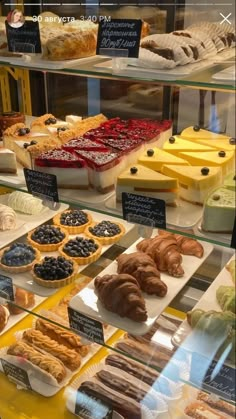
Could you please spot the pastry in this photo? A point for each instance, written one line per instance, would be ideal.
(105, 232)
(7, 218)
(225, 296)
(121, 295)
(195, 182)
(74, 221)
(81, 250)
(219, 211)
(231, 267)
(223, 159)
(62, 336)
(26, 203)
(164, 251)
(10, 118)
(54, 272)
(144, 181)
(143, 268)
(22, 135)
(7, 161)
(69, 357)
(4, 316)
(155, 158)
(47, 238)
(46, 363)
(176, 144)
(199, 410)
(47, 124)
(70, 170)
(218, 404)
(22, 298)
(18, 257)
(186, 245)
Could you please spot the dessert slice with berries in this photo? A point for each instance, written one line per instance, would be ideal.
(74, 221)
(7, 161)
(223, 159)
(82, 250)
(141, 180)
(18, 257)
(54, 272)
(71, 171)
(197, 133)
(81, 143)
(154, 158)
(176, 144)
(47, 238)
(20, 132)
(106, 232)
(48, 124)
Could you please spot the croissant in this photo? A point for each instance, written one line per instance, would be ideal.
(143, 268)
(186, 245)
(121, 294)
(226, 298)
(164, 251)
(231, 267)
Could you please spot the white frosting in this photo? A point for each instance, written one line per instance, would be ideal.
(25, 203)
(66, 177)
(169, 197)
(7, 218)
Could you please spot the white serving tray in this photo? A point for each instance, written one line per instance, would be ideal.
(86, 301)
(24, 280)
(87, 197)
(36, 61)
(223, 238)
(185, 215)
(207, 302)
(26, 222)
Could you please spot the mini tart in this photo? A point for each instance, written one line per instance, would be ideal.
(105, 240)
(56, 283)
(50, 247)
(69, 228)
(80, 260)
(18, 269)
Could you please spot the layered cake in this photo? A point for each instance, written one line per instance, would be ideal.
(20, 132)
(130, 149)
(141, 180)
(71, 171)
(230, 181)
(223, 159)
(10, 118)
(223, 144)
(48, 124)
(7, 161)
(176, 144)
(197, 133)
(155, 158)
(81, 143)
(219, 211)
(195, 182)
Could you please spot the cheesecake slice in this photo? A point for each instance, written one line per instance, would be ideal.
(176, 144)
(230, 181)
(195, 182)
(20, 132)
(226, 145)
(223, 159)
(7, 161)
(155, 158)
(143, 181)
(23, 156)
(48, 124)
(197, 133)
(219, 211)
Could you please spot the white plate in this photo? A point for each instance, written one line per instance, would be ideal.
(24, 280)
(87, 197)
(207, 302)
(185, 215)
(26, 222)
(228, 74)
(86, 301)
(223, 238)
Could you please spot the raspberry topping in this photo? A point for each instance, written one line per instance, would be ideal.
(59, 158)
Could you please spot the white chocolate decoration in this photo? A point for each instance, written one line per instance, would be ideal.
(7, 218)
(25, 203)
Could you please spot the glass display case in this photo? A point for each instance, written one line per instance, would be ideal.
(118, 301)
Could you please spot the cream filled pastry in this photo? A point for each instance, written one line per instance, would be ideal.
(23, 202)
(7, 218)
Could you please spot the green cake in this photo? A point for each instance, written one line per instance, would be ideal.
(219, 211)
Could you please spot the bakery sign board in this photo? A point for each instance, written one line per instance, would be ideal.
(23, 36)
(119, 38)
(16, 374)
(86, 326)
(89, 405)
(144, 210)
(42, 185)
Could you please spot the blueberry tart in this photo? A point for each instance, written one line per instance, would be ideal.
(19, 257)
(82, 250)
(74, 221)
(106, 232)
(54, 272)
(47, 238)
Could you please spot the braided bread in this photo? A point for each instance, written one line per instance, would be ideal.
(70, 358)
(121, 294)
(45, 362)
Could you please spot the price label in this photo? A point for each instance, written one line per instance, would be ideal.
(24, 38)
(144, 210)
(42, 185)
(85, 326)
(6, 288)
(90, 406)
(233, 239)
(119, 38)
(16, 374)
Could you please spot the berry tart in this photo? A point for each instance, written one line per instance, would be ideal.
(18, 257)
(74, 221)
(54, 272)
(82, 250)
(47, 238)
(105, 232)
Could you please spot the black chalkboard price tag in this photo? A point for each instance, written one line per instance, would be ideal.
(42, 185)
(119, 38)
(6, 288)
(86, 326)
(25, 39)
(233, 239)
(88, 405)
(16, 374)
(144, 210)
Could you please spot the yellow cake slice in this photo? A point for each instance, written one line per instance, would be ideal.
(223, 159)
(142, 181)
(154, 159)
(197, 133)
(177, 144)
(223, 144)
(195, 182)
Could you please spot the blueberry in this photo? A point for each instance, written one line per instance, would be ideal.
(26, 145)
(21, 132)
(205, 171)
(172, 140)
(222, 153)
(232, 141)
(133, 170)
(196, 128)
